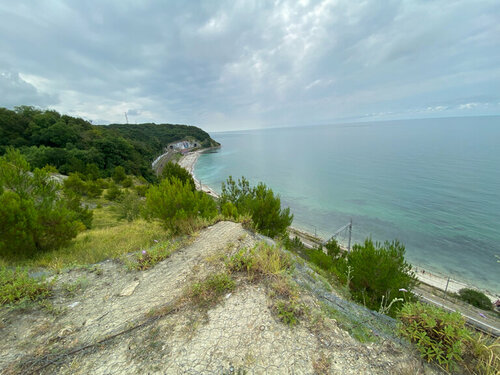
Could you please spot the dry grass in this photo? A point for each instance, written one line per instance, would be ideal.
(262, 260)
(96, 245)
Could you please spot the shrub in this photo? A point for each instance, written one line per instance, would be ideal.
(130, 207)
(33, 214)
(441, 336)
(208, 292)
(141, 190)
(176, 204)
(229, 210)
(295, 245)
(322, 260)
(174, 170)
(475, 298)
(333, 249)
(119, 174)
(114, 193)
(80, 212)
(378, 273)
(76, 184)
(260, 203)
(261, 260)
(127, 182)
(17, 287)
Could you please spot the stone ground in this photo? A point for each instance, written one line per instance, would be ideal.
(106, 326)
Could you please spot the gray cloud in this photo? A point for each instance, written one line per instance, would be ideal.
(14, 90)
(243, 64)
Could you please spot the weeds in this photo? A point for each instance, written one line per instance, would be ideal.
(438, 335)
(17, 287)
(208, 292)
(147, 259)
(70, 290)
(289, 311)
(261, 260)
(96, 245)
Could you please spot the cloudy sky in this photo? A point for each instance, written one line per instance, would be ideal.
(250, 64)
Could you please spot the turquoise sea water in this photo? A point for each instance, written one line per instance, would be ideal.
(434, 184)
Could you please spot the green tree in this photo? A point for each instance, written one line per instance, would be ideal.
(119, 174)
(259, 202)
(266, 212)
(377, 274)
(172, 170)
(177, 205)
(33, 214)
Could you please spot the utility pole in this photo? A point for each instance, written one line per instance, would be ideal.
(350, 234)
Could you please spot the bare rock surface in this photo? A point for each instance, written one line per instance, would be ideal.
(127, 322)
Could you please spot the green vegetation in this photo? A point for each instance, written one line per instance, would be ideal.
(155, 254)
(74, 145)
(18, 288)
(441, 337)
(377, 274)
(171, 170)
(475, 298)
(261, 260)
(259, 202)
(107, 242)
(34, 215)
(209, 291)
(178, 206)
(373, 274)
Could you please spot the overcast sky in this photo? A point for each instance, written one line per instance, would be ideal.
(249, 64)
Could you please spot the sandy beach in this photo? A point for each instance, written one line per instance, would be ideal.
(188, 162)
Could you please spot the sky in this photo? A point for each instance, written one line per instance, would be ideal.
(229, 65)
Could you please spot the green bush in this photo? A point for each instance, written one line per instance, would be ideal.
(260, 203)
(141, 190)
(439, 335)
(80, 212)
(377, 274)
(34, 215)
(76, 184)
(475, 298)
(171, 170)
(322, 260)
(119, 174)
(94, 189)
(17, 287)
(176, 204)
(114, 193)
(208, 292)
(130, 207)
(229, 210)
(127, 182)
(333, 249)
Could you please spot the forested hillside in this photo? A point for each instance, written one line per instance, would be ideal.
(74, 145)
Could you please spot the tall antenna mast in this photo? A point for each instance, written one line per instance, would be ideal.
(126, 117)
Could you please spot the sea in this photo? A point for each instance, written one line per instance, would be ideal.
(432, 184)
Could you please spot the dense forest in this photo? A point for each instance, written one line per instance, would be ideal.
(72, 144)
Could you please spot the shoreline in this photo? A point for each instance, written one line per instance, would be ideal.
(188, 162)
(425, 276)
